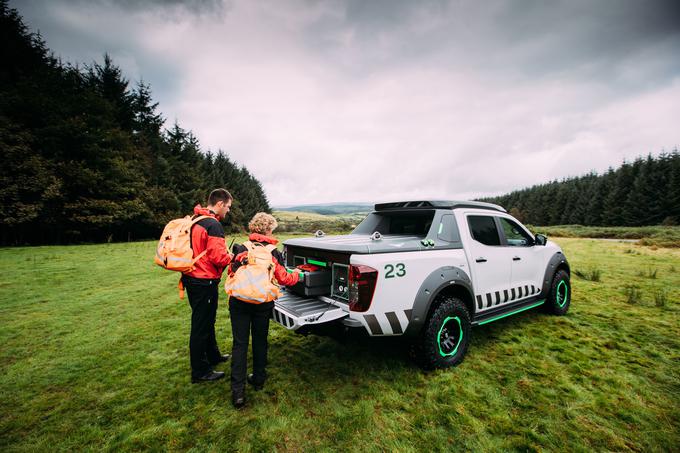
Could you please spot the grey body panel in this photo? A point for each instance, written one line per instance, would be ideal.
(556, 260)
(359, 243)
(441, 278)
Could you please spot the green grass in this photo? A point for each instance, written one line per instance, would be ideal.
(659, 236)
(94, 356)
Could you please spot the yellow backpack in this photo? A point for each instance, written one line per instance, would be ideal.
(174, 251)
(255, 282)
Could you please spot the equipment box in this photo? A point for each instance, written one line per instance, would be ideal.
(316, 283)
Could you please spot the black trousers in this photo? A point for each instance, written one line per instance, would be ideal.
(247, 318)
(203, 349)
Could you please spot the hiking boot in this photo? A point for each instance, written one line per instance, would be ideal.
(208, 377)
(238, 398)
(251, 380)
(223, 358)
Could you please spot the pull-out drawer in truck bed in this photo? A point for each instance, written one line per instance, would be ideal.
(293, 311)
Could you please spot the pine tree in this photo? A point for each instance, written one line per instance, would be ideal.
(642, 206)
(673, 191)
(147, 121)
(108, 81)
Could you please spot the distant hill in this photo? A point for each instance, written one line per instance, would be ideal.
(331, 208)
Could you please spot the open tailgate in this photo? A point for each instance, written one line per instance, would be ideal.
(293, 311)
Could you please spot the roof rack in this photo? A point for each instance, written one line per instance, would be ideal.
(437, 204)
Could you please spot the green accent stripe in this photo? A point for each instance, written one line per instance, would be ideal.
(318, 263)
(540, 302)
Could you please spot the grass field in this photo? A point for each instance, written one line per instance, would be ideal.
(659, 236)
(94, 356)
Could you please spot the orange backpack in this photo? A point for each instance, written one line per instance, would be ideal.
(255, 282)
(174, 251)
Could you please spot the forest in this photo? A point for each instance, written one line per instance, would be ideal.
(86, 156)
(643, 192)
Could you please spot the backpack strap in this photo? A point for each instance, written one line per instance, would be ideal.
(200, 255)
(199, 218)
(270, 248)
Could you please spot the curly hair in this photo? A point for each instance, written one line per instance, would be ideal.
(262, 222)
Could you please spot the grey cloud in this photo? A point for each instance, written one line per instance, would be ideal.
(189, 5)
(186, 6)
(524, 39)
(378, 100)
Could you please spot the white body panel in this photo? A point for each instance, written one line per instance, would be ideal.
(397, 294)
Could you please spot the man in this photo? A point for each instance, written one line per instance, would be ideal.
(202, 286)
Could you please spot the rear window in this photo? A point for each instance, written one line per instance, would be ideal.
(483, 229)
(416, 223)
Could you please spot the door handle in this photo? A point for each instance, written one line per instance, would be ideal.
(481, 260)
(516, 258)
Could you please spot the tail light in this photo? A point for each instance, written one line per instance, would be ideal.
(362, 281)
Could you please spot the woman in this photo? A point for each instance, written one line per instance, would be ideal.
(252, 315)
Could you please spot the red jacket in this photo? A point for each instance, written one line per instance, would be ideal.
(208, 234)
(280, 272)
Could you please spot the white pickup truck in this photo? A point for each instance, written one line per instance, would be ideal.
(429, 270)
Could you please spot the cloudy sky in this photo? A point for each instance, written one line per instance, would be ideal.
(361, 100)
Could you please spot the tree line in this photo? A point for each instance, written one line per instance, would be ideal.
(86, 156)
(643, 192)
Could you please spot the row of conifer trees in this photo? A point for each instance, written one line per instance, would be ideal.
(643, 192)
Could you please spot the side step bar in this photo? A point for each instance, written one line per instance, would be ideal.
(502, 312)
(293, 311)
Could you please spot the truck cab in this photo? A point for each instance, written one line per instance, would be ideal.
(428, 270)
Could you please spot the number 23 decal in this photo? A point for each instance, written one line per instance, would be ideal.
(390, 270)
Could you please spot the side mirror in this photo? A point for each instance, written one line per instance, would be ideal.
(541, 239)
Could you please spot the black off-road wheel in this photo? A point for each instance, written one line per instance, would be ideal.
(559, 297)
(445, 337)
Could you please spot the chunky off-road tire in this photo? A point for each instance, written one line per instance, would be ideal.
(445, 337)
(559, 297)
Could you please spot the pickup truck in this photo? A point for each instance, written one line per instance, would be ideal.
(427, 270)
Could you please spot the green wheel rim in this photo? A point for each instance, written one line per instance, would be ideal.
(562, 293)
(447, 336)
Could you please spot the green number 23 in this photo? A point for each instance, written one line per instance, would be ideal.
(400, 268)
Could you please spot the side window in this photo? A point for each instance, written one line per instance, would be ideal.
(514, 234)
(483, 229)
(448, 231)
